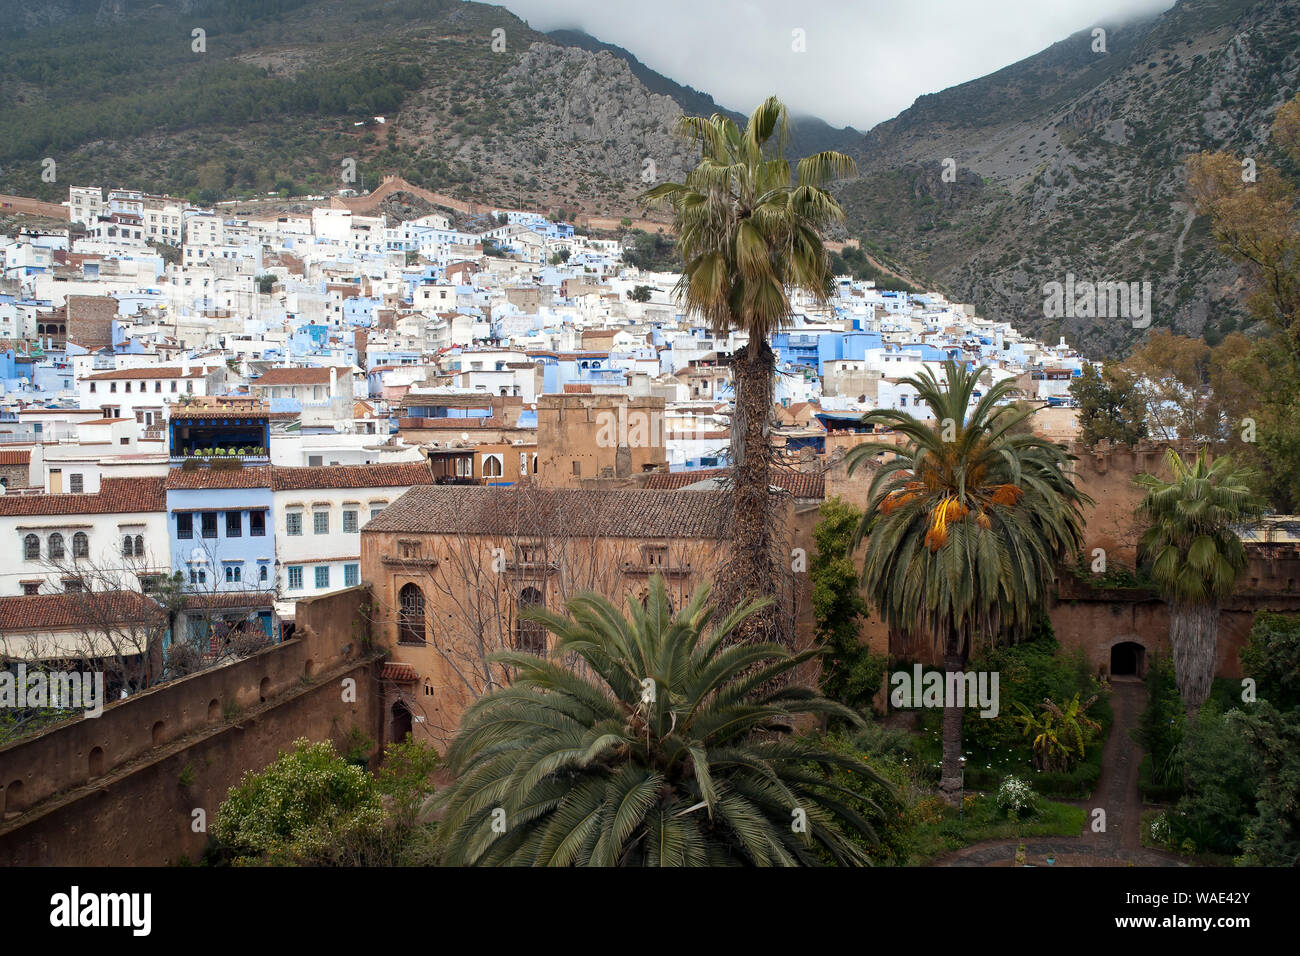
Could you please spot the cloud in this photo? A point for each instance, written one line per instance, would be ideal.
(864, 61)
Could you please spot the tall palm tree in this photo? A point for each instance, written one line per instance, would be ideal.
(1195, 557)
(964, 525)
(665, 746)
(749, 232)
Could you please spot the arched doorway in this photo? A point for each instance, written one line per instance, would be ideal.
(401, 721)
(1128, 659)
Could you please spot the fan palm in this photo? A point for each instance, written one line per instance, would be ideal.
(749, 232)
(666, 746)
(964, 525)
(1195, 557)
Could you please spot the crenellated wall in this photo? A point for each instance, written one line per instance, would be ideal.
(122, 789)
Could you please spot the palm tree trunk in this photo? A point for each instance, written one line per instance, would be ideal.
(752, 569)
(1194, 638)
(950, 775)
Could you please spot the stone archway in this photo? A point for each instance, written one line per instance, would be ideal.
(1128, 659)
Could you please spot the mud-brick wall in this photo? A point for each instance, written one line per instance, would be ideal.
(123, 789)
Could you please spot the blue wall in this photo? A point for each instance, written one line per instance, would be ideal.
(247, 552)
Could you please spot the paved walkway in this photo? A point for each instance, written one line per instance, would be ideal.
(1116, 793)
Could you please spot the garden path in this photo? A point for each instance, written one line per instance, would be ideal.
(1117, 794)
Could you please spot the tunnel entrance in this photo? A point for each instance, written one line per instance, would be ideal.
(1128, 659)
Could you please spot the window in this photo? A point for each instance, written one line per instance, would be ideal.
(31, 587)
(139, 546)
(293, 523)
(234, 524)
(261, 574)
(577, 468)
(80, 545)
(124, 440)
(320, 522)
(198, 577)
(530, 636)
(76, 484)
(173, 386)
(411, 622)
(56, 545)
(257, 524)
(351, 575)
(234, 573)
(492, 466)
(157, 386)
(73, 585)
(295, 578)
(209, 524)
(350, 522)
(322, 576)
(375, 510)
(128, 546)
(185, 525)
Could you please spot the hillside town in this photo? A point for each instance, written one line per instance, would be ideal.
(238, 414)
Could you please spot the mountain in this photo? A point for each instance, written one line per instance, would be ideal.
(1072, 161)
(808, 134)
(276, 95)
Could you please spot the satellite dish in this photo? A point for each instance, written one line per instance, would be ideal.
(464, 436)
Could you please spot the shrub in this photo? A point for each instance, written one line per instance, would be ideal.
(1016, 798)
(1221, 777)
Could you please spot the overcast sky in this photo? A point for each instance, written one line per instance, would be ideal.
(865, 60)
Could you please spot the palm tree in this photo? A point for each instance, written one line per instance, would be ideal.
(749, 233)
(964, 525)
(1195, 558)
(661, 747)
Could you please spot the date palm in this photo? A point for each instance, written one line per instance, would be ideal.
(1195, 557)
(665, 746)
(964, 525)
(749, 233)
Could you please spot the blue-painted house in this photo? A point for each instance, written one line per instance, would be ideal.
(219, 522)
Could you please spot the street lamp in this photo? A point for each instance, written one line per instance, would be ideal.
(961, 793)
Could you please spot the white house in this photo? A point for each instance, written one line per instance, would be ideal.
(62, 542)
(318, 515)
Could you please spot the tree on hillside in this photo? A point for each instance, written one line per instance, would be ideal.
(670, 753)
(964, 526)
(1252, 208)
(1195, 558)
(749, 231)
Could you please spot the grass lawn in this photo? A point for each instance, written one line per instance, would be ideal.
(940, 829)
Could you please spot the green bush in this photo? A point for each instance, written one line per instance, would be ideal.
(1221, 777)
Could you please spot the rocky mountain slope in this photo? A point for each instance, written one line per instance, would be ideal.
(1072, 162)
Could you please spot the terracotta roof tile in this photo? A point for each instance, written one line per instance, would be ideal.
(797, 483)
(277, 478)
(230, 599)
(296, 376)
(254, 476)
(115, 495)
(351, 476)
(43, 612)
(134, 373)
(471, 509)
(399, 672)
(19, 456)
